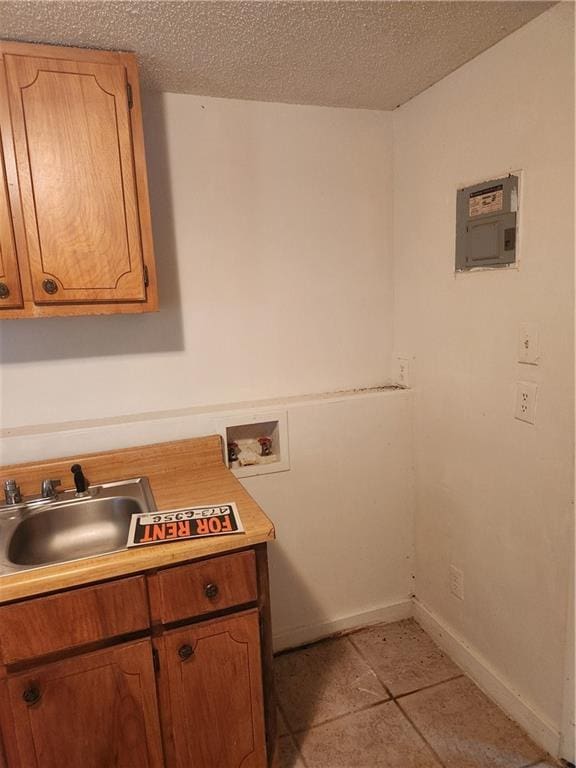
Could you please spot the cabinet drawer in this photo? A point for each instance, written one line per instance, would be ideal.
(48, 624)
(199, 588)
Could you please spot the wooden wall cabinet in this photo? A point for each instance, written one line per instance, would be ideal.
(122, 687)
(75, 229)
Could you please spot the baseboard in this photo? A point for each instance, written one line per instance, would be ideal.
(536, 725)
(294, 637)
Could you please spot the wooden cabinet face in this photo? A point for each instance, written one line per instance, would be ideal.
(211, 686)
(92, 711)
(10, 292)
(73, 144)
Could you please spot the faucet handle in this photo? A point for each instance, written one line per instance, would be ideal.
(80, 480)
(12, 492)
(49, 488)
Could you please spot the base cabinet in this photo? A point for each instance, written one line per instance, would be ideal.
(194, 691)
(95, 710)
(211, 689)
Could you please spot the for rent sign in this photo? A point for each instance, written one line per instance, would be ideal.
(179, 524)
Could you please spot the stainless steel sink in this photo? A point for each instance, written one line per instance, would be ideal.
(71, 528)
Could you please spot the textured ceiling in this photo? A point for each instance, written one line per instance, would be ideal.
(336, 53)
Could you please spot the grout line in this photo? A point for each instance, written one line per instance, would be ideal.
(342, 717)
(427, 687)
(394, 696)
(419, 732)
(289, 734)
(377, 676)
(298, 751)
(281, 710)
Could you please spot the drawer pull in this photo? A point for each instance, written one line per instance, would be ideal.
(185, 652)
(211, 591)
(4, 291)
(31, 695)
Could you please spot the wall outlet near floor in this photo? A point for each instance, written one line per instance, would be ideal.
(456, 581)
(526, 394)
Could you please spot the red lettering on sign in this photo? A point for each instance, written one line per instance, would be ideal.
(226, 523)
(147, 533)
(202, 527)
(171, 530)
(215, 525)
(158, 533)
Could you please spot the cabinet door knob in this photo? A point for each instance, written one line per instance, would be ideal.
(211, 590)
(185, 651)
(4, 291)
(50, 286)
(31, 694)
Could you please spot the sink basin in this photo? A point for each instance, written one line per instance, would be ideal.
(72, 531)
(73, 528)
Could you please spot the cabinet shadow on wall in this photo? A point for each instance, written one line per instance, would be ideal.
(64, 338)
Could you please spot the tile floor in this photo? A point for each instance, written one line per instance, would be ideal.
(387, 697)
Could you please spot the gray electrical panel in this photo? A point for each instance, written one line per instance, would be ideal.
(486, 224)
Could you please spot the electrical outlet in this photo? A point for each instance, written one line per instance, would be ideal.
(528, 344)
(526, 394)
(403, 371)
(456, 580)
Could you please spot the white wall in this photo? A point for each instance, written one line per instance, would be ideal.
(272, 231)
(493, 494)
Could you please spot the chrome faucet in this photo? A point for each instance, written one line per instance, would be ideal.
(49, 488)
(12, 492)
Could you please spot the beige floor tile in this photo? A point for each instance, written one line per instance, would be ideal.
(287, 755)
(403, 656)
(323, 682)
(466, 729)
(379, 737)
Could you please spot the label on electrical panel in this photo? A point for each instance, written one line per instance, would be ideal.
(486, 201)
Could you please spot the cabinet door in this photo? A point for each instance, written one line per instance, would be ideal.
(93, 711)
(10, 292)
(73, 143)
(211, 691)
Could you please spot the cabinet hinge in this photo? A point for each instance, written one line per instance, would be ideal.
(156, 660)
(130, 99)
(146, 277)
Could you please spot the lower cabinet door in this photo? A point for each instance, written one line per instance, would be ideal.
(97, 710)
(211, 694)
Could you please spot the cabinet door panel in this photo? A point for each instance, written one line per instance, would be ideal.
(214, 696)
(73, 143)
(10, 291)
(96, 711)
